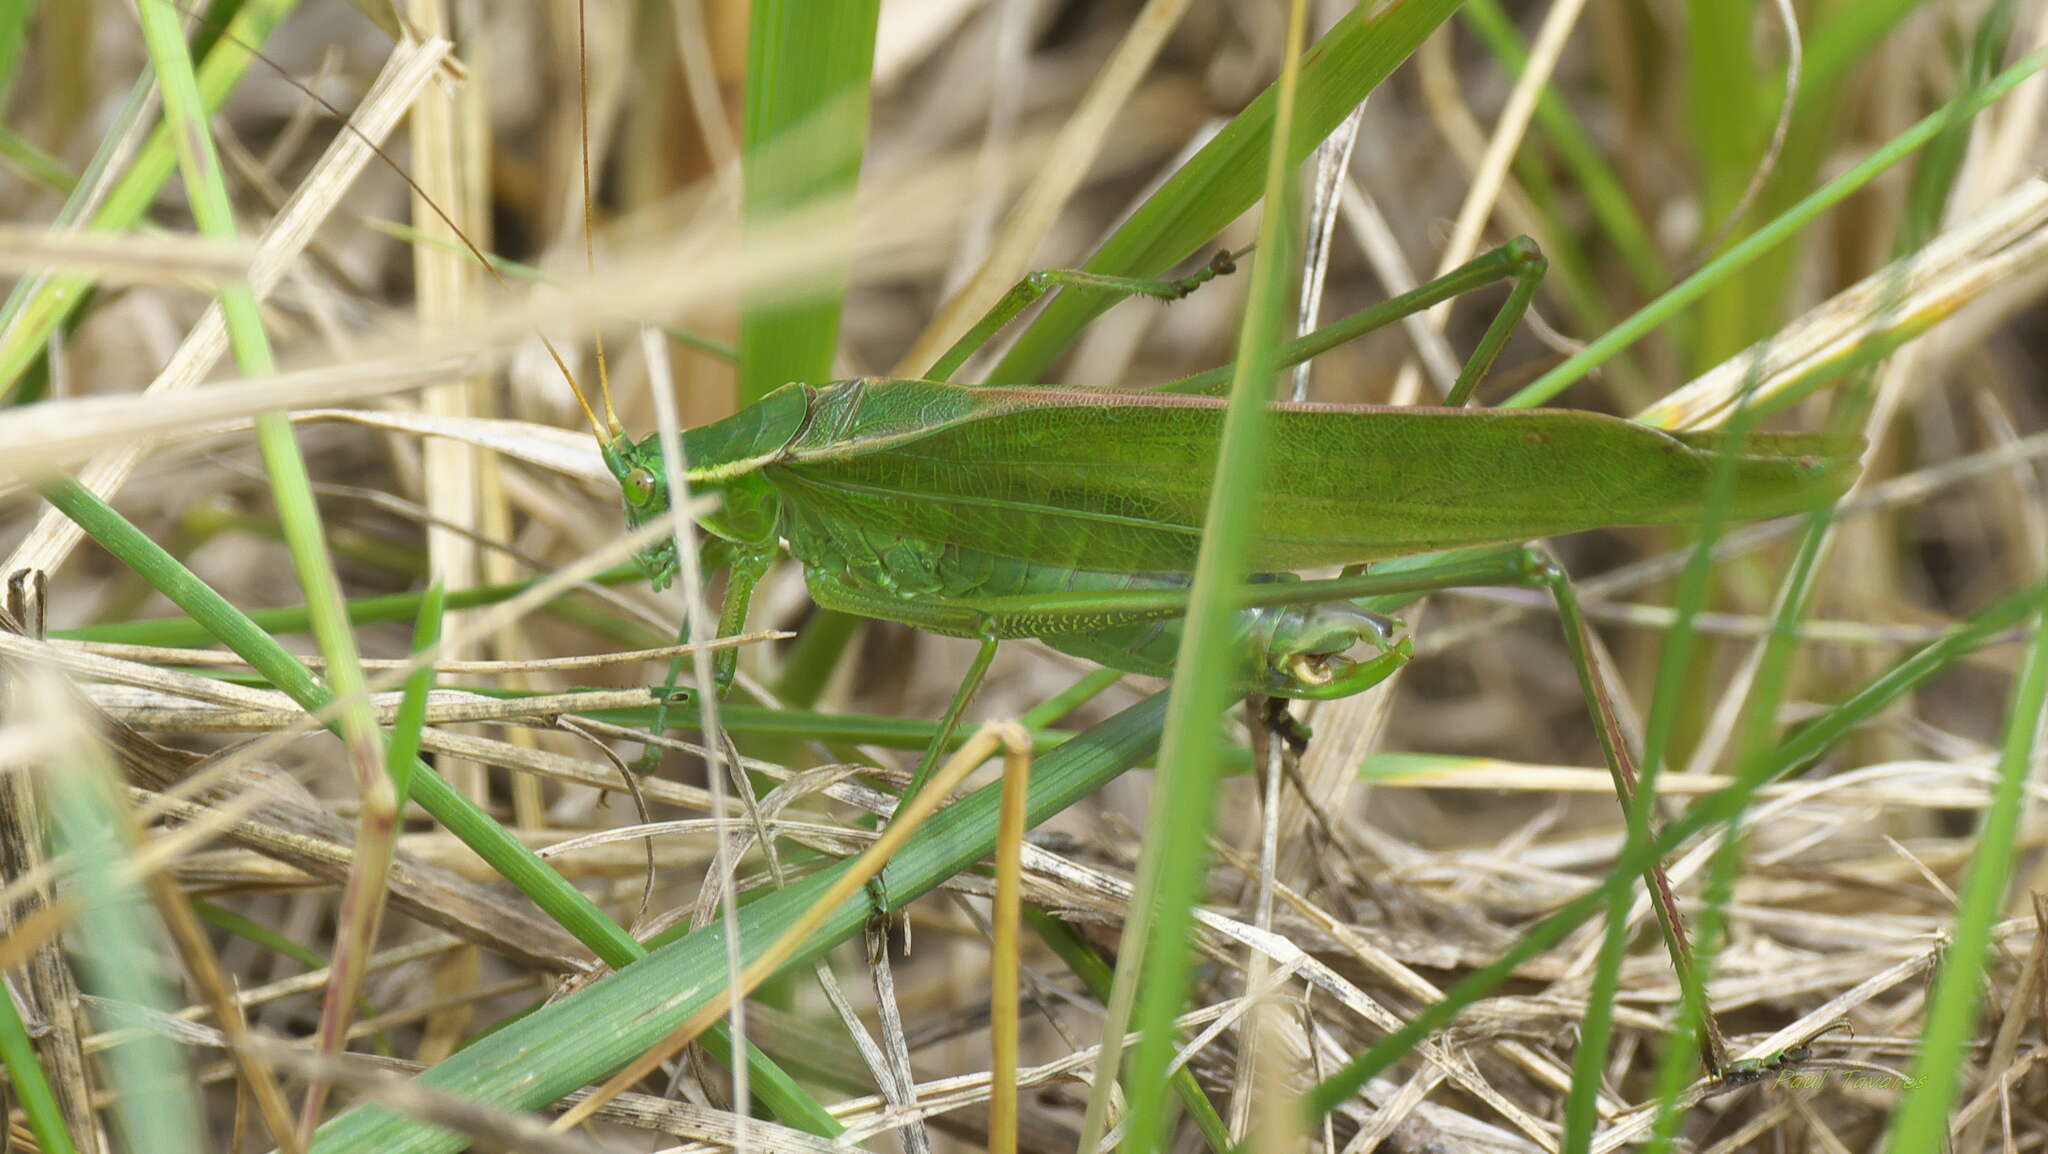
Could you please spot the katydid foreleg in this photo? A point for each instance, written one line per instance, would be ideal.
(744, 571)
(743, 529)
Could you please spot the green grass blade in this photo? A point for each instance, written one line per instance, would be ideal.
(382, 609)
(1953, 1008)
(32, 163)
(31, 1090)
(157, 1103)
(232, 628)
(1154, 964)
(1934, 177)
(1729, 123)
(599, 1028)
(1095, 974)
(211, 26)
(808, 666)
(1675, 684)
(1227, 176)
(1595, 179)
(185, 116)
(1839, 38)
(506, 854)
(33, 380)
(291, 487)
(1589, 1063)
(229, 922)
(292, 491)
(1088, 688)
(804, 134)
(799, 724)
(1675, 673)
(404, 747)
(23, 331)
(1786, 226)
(1794, 753)
(14, 18)
(1955, 1004)
(1753, 748)
(1845, 34)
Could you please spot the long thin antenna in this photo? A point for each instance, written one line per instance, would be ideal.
(604, 384)
(596, 427)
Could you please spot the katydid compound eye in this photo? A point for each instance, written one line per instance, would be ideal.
(639, 485)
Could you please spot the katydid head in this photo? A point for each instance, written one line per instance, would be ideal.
(722, 458)
(643, 483)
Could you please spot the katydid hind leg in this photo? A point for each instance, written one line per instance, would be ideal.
(1529, 567)
(1621, 763)
(1519, 261)
(1528, 265)
(1028, 291)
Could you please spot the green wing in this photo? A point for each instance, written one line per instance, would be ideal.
(1120, 481)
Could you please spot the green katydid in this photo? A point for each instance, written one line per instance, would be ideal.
(1073, 514)
(917, 500)
(1749, 1071)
